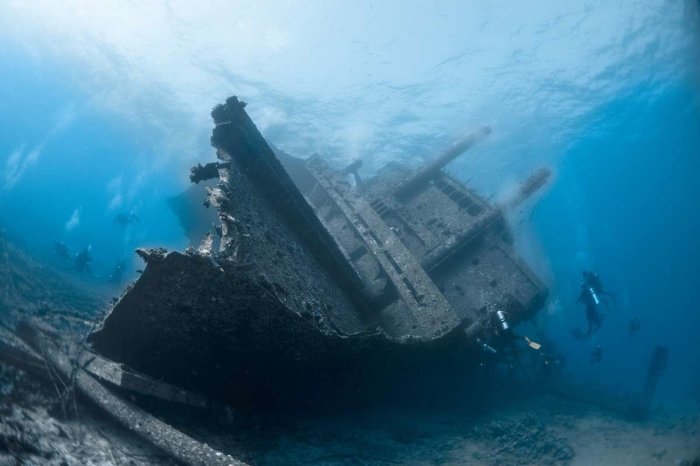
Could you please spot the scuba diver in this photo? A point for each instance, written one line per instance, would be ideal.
(634, 326)
(591, 283)
(62, 250)
(502, 346)
(82, 259)
(507, 332)
(118, 272)
(124, 220)
(551, 363)
(591, 296)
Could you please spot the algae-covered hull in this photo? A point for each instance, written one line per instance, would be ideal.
(314, 288)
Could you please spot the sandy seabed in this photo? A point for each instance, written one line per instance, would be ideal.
(536, 430)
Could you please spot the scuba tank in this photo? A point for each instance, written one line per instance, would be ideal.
(594, 295)
(503, 321)
(486, 348)
(504, 325)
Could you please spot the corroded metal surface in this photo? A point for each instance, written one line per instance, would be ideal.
(316, 287)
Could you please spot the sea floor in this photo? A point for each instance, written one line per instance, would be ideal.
(536, 430)
(36, 428)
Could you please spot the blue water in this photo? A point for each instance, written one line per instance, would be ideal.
(625, 204)
(104, 108)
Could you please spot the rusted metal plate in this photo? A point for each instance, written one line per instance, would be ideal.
(128, 379)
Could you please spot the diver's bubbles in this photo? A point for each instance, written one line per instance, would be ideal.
(73, 220)
(554, 306)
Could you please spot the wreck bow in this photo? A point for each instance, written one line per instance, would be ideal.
(314, 286)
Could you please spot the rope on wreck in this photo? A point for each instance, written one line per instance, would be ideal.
(133, 456)
(173, 442)
(55, 379)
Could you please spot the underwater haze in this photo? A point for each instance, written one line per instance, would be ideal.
(105, 106)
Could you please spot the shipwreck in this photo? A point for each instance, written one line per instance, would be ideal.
(316, 285)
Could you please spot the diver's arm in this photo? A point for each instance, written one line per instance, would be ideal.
(581, 297)
(607, 293)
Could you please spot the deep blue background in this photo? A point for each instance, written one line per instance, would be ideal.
(625, 203)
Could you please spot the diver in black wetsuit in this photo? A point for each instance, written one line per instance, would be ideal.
(118, 272)
(124, 220)
(502, 346)
(634, 326)
(82, 260)
(594, 318)
(591, 296)
(591, 283)
(62, 250)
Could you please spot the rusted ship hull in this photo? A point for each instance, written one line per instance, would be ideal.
(231, 339)
(317, 291)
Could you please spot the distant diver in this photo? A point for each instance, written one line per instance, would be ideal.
(634, 326)
(118, 272)
(591, 283)
(549, 361)
(552, 362)
(62, 250)
(82, 260)
(591, 296)
(123, 220)
(597, 354)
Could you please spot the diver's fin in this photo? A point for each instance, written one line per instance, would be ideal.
(532, 344)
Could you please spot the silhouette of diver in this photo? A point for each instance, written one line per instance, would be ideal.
(62, 250)
(118, 272)
(82, 260)
(591, 296)
(123, 220)
(502, 346)
(634, 326)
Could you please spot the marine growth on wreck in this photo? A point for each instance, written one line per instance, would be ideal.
(310, 288)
